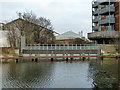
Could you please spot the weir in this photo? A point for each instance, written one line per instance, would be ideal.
(59, 49)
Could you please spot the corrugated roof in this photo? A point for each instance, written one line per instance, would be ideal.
(67, 35)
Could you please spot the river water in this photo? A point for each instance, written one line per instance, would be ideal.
(61, 74)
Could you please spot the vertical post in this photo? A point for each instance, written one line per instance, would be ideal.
(80, 56)
(32, 60)
(71, 55)
(59, 46)
(63, 55)
(69, 47)
(55, 46)
(64, 46)
(76, 46)
(51, 46)
(22, 43)
(36, 59)
(43, 47)
(66, 57)
(80, 46)
(52, 57)
(72, 46)
(47, 46)
(88, 57)
(16, 60)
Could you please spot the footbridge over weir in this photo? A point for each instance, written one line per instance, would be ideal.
(58, 49)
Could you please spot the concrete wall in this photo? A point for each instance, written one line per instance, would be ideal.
(108, 49)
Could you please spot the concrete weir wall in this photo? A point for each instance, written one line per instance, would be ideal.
(108, 48)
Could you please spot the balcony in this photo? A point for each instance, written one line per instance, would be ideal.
(103, 34)
(105, 2)
(95, 20)
(107, 21)
(95, 13)
(106, 10)
(95, 5)
(95, 28)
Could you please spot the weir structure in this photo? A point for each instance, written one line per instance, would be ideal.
(59, 49)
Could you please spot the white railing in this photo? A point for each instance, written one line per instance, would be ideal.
(61, 47)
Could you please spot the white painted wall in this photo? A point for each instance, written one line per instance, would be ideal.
(3, 39)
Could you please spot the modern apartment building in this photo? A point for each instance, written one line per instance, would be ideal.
(105, 21)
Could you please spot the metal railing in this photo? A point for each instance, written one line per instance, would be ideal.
(107, 9)
(61, 47)
(107, 21)
(103, 34)
(95, 28)
(96, 12)
(95, 4)
(95, 20)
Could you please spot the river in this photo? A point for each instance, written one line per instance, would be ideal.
(61, 74)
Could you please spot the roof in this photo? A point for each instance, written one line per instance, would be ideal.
(29, 22)
(67, 35)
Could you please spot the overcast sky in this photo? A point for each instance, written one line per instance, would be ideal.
(65, 15)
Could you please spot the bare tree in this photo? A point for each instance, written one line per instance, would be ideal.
(47, 37)
(13, 38)
(36, 30)
(43, 28)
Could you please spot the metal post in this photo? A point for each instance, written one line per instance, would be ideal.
(47, 46)
(43, 47)
(80, 57)
(64, 46)
(59, 46)
(55, 46)
(76, 46)
(51, 46)
(39, 46)
(72, 46)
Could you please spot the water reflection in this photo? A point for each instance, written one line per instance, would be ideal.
(27, 74)
(62, 74)
(105, 73)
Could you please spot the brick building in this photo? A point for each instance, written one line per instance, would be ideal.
(105, 21)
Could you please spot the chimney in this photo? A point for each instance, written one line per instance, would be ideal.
(20, 15)
(79, 34)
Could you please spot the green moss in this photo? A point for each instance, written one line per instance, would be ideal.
(4, 53)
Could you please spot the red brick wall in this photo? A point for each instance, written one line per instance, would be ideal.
(102, 17)
(116, 4)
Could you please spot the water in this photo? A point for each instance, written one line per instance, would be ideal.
(62, 74)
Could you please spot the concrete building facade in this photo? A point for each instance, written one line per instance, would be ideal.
(105, 21)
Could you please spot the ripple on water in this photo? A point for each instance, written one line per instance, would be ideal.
(76, 74)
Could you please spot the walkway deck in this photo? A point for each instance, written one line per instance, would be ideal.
(38, 57)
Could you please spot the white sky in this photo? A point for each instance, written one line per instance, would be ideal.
(65, 15)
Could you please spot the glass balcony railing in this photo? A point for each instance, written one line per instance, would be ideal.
(107, 21)
(95, 4)
(95, 20)
(105, 2)
(108, 9)
(103, 34)
(95, 12)
(95, 28)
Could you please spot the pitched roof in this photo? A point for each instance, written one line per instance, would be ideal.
(67, 35)
(29, 22)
